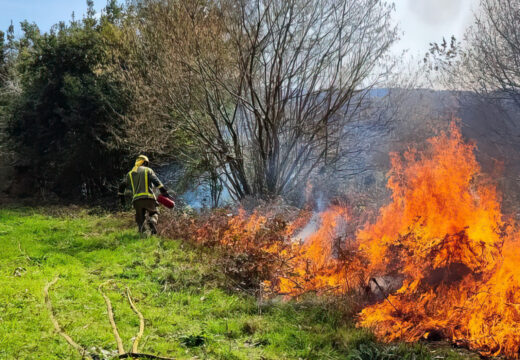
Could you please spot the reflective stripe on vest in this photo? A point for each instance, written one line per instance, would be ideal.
(132, 182)
(147, 193)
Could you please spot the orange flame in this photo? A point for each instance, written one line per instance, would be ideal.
(444, 232)
(315, 267)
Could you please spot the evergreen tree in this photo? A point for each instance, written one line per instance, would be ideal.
(67, 121)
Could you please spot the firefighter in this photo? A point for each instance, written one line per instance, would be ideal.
(141, 179)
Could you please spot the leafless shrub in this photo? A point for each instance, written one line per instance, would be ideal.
(263, 89)
(487, 61)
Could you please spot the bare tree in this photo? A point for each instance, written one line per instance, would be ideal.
(493, 56)
(486, 66)
(265, 89)
(488, 59)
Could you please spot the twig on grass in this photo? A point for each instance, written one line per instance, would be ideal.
(142, 356)
(141, 322)
(83, 352)
(24, 254)
(120, 347)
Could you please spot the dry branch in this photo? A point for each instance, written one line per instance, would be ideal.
(384, 294)
(142, 356)
(83, 352)
(141, 322)
(120, 348)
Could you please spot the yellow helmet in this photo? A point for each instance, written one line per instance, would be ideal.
(143, 157)
(141, 160)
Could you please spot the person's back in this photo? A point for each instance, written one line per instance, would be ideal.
(142, 179)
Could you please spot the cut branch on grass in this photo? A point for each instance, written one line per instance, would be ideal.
(120, 347)
(82, 351)
(141, 322)
(122, 353)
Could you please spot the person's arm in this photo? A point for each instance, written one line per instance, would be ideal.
(121, 191)
(158, 184)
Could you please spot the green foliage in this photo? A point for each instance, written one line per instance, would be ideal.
(8, 88)
(3, 51)
(67, 121)
(374, 351)
(3, 75)
(193, 340)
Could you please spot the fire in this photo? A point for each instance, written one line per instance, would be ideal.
(444, 231)
(437, 212)
(453, 256)
(445, 234)
(314, 265)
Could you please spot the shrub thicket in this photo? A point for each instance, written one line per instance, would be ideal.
(67, 119)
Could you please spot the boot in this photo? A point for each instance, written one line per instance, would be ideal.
(153, 228)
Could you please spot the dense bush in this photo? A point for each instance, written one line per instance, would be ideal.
(67, 120)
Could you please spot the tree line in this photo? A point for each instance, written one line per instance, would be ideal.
(255, 96)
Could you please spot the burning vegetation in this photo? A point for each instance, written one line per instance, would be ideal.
(439, 262)
(444, 231)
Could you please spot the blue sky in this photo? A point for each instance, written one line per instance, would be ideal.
(44, 13)
(422, 21)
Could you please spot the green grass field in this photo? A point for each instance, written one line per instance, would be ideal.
(187, 312)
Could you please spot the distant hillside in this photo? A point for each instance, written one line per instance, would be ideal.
(404, 118)
(493, 125)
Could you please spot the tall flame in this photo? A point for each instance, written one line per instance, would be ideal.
(444, 231)
(434, 200)
(443, 237)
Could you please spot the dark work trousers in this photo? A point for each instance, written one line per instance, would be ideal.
(142, 207)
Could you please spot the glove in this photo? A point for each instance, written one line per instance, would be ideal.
(165, 192)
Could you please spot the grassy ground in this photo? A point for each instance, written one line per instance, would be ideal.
(187, 313)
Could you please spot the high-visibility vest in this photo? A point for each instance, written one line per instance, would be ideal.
(140, 182)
